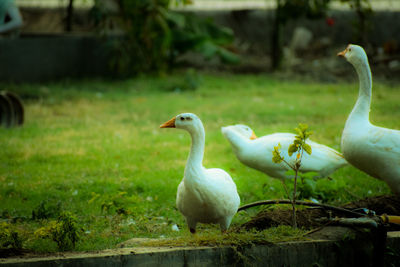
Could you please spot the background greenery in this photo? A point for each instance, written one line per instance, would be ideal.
(92, 151)
(156, 36)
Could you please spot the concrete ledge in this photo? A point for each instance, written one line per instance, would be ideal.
(359, 250)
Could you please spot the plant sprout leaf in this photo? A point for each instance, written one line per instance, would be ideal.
(299, 132)
(307, 148)
(276, 154)
(292, 148)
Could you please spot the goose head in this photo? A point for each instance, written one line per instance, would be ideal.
(241, 129)
(185, 121)
(354, 54)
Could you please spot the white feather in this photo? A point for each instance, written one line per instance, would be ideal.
(257, 153)
(374, 150)
(204, 195)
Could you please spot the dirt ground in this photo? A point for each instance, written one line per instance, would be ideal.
(306, 217)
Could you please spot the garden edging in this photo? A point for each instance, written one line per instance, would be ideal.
(350, 248)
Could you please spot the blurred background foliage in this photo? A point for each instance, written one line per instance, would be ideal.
(156, 36)
(287, 10)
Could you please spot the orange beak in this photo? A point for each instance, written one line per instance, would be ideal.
(168, 124)
(253, 136)
(343, 53)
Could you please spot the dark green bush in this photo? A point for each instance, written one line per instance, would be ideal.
(156, 36)
(9, 236)
(65, 231)
(46, 210)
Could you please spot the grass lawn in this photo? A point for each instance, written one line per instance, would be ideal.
(94, 148)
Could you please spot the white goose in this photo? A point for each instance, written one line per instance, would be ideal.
(257, 153)
(204, 195)
(374, 150)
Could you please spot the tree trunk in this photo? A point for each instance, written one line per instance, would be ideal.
(276, 46)
(70, 11)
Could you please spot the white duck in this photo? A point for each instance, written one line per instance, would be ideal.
(257, 153)
(204, 195)
(374, 150)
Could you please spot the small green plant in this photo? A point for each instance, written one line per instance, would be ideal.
(299, 146)
(64, 231)
(116, 204)
(10, 237)
(120, 203)
(46, 210)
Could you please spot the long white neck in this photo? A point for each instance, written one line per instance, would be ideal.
(194, 165)
(361, 109)
(237, 140)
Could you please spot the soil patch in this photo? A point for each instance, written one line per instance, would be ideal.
(308, 217)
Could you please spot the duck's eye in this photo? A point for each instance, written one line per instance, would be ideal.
(182, 118)
(349, 49)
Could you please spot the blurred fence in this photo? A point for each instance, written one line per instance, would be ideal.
(210, 4)
(53, 3)
(271, 4)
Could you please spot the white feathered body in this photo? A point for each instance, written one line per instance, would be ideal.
(374, 150)
(204, 195)
(208, 196)
(257, 154)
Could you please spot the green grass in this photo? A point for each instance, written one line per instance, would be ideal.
(94, 148)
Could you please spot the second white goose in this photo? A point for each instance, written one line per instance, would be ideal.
(257, 153)
(374, 150)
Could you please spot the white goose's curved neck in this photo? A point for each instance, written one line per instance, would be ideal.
(362, 107)
(195, 161)
(237, 141)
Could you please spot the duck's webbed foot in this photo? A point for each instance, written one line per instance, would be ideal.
(192, 225)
